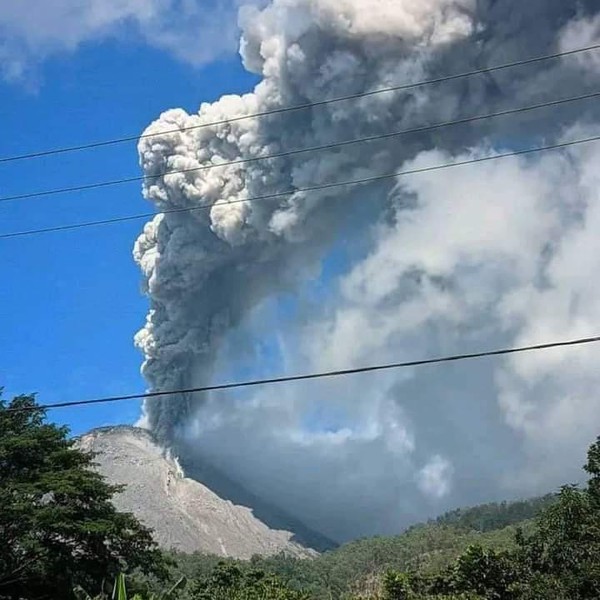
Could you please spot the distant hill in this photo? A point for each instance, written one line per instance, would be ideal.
(489, 517)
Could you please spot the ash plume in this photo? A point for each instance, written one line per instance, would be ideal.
(209, 274)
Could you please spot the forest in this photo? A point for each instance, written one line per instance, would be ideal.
(62, 538)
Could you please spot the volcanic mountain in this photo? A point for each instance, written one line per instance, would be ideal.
(185, 514)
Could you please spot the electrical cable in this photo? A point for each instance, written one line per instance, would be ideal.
(297, 107)
(286, 153)
(313, 188)
(310, 376)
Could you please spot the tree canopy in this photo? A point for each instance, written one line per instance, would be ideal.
(58, 526)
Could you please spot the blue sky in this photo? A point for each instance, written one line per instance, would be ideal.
(70, 302)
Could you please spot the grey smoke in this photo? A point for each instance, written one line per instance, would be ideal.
(423, 266)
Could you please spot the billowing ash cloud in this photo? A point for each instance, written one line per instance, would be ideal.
(460, 259)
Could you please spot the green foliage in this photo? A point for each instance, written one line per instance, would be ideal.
(404, 586)
(592, 468)
(230, 582)
(564, 551)
(120, 592)
(493, 516)
(353, 569)
(396, 586)
(488, 573)
(58, 527)
(172, 592)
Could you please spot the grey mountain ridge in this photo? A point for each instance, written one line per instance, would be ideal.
(184, 514)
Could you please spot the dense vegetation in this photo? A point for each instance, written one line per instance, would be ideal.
(489, 517)
(61, 536)
(334, 574)
(58, 526)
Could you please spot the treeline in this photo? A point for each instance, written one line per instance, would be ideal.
(62, 538)
(335, 574)
(496, 515)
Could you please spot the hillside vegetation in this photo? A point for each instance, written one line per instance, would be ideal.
(63, 539)
(359, 565)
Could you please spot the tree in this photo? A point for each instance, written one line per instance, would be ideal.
(397, 586)
(231, 582)
(559, 560)
(415, 586)
(562, 556)
(488, 573)
(58, 527)
(564, 551)
(592, 468)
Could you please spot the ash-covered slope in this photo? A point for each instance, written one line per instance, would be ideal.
(184, 514)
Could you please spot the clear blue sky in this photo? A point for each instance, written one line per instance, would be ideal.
(70, 302)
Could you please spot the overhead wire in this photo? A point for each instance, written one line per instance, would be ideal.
(298, 151)
(313, 188)
(323, 374)
(309, 376)
(306, 105)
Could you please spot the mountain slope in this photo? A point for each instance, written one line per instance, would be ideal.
(184, 514)
(268, 513)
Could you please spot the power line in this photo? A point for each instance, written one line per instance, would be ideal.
(313, 188)
(309, 376)
(297, 107)
(286, 153)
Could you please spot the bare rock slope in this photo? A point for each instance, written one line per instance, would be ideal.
(184, 514)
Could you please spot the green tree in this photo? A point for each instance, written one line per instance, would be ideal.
(564, 551)
(558, 560)
(231, 582)
(58, 526)
(489, 573)
(397, 586)
(562, 556)
(592, 468)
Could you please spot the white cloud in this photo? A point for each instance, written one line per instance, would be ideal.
(501, 253)
(581, 32)
(472, 235)
(434, 478)
(193, 31)
(552, 397)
